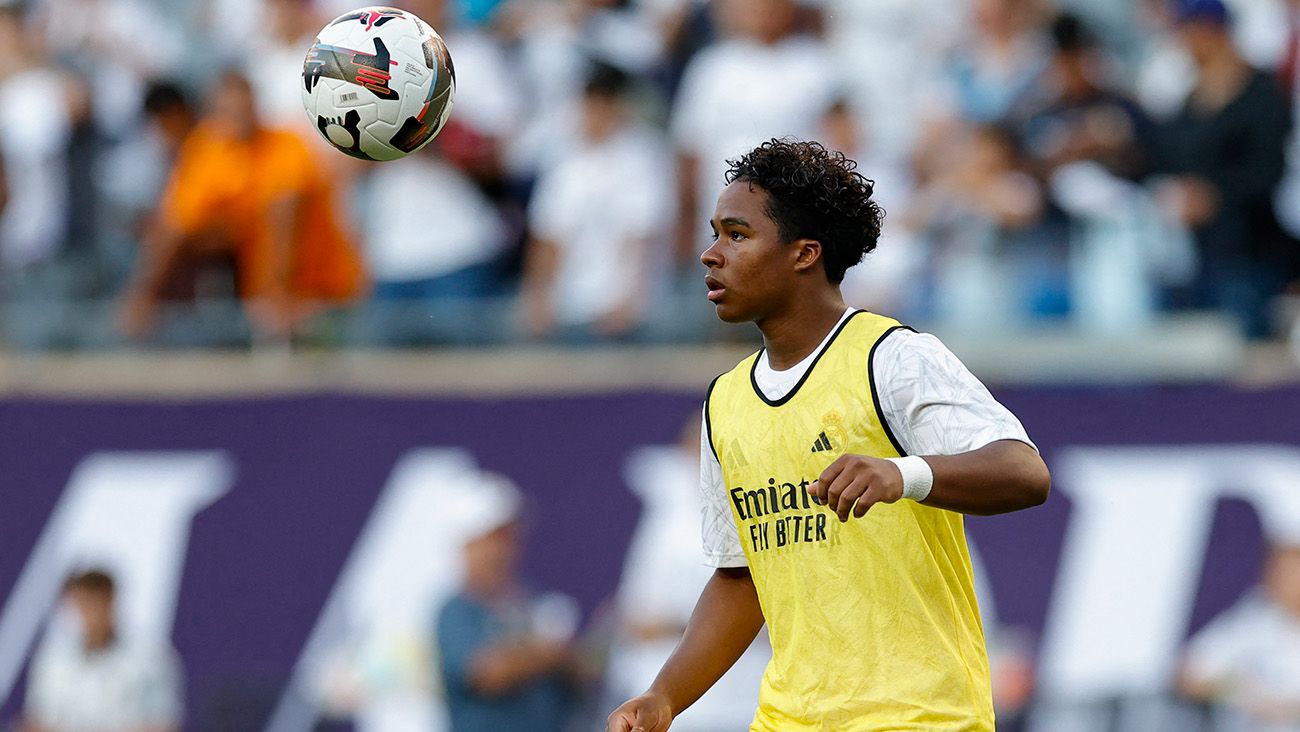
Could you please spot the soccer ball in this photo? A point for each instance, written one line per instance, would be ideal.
(378, 83)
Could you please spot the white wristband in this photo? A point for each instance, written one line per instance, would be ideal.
(918, 478)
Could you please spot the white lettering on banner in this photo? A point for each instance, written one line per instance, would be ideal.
(406, 562)
(1134, 553)
(128, 512)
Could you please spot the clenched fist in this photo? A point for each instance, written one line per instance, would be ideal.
(646, 713)
(854, 483)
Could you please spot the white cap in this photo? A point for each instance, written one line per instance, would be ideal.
(487, 502)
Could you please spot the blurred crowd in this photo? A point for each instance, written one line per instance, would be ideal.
(1096, 165)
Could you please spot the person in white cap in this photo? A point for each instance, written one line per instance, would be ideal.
(505, 655)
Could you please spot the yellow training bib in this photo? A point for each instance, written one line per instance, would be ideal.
(874, 623)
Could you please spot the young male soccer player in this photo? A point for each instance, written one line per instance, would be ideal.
(837, 462)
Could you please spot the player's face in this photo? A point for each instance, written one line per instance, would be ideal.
(492, 556)
(96, 611)
(1282, 578)
(233, 108)
(751, 271)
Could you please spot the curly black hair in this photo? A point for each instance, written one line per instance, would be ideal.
(815, 193)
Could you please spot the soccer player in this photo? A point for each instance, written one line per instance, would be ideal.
(836, 464)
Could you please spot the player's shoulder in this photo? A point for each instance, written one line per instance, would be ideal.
(286, 140)
(738, 373)
(905, 343)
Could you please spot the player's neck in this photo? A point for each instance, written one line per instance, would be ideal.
(792, 335)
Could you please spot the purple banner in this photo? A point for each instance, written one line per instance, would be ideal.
(307, 471)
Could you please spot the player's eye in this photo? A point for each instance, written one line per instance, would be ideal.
(737, 236)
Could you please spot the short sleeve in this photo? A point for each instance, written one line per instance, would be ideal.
(721, 537)
(932, 403)
(461, 633)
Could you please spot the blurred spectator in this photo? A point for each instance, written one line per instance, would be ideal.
(1224, 155)
(975, 214)
(763, 79)
(35, 126)
(1247, 660)
(506, 659)
(1086, 140)
(251, 195)
(1075, 114)
(555, 42)
(135, 174)
(992, 68)
(885, 284)
(489, 105)
(1164, 72)
(273, 64)
(97, 680)
(117, 45)
(663, 575)
(431, 235)
(891, 54)
(900, 85)
(596, 258)
(564, 35)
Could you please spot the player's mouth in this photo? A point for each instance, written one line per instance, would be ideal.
(716, 289)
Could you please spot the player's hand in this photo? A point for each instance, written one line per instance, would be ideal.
(854, 483)
(649, 712)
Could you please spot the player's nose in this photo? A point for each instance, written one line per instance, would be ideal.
(710, 257)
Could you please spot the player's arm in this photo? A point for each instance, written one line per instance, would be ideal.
(500, 669)
(688, 226)
(273, 307)
(725, 621)
(541, 267)
(1003, 476)
(974, 454)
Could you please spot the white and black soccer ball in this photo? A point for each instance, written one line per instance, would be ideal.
(378, 83)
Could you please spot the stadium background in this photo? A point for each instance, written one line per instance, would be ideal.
(264, 493)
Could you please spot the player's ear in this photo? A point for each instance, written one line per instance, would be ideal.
(809, 252)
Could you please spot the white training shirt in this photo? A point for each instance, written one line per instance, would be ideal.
(1252, 653)
(714, 120)
(932, 403)
(126, 686)
(603, 205)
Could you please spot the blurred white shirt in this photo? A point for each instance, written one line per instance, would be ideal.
(1252, 652)
(738, 93)
(891, 53)
(932, 403)
(119, 44)
(121, 688)
(426, 219)
(488, 96)
(34, 130)
(606, 206)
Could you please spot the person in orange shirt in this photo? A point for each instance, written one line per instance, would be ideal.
(255, 195)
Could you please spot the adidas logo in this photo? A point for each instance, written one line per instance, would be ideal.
(822, 444)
